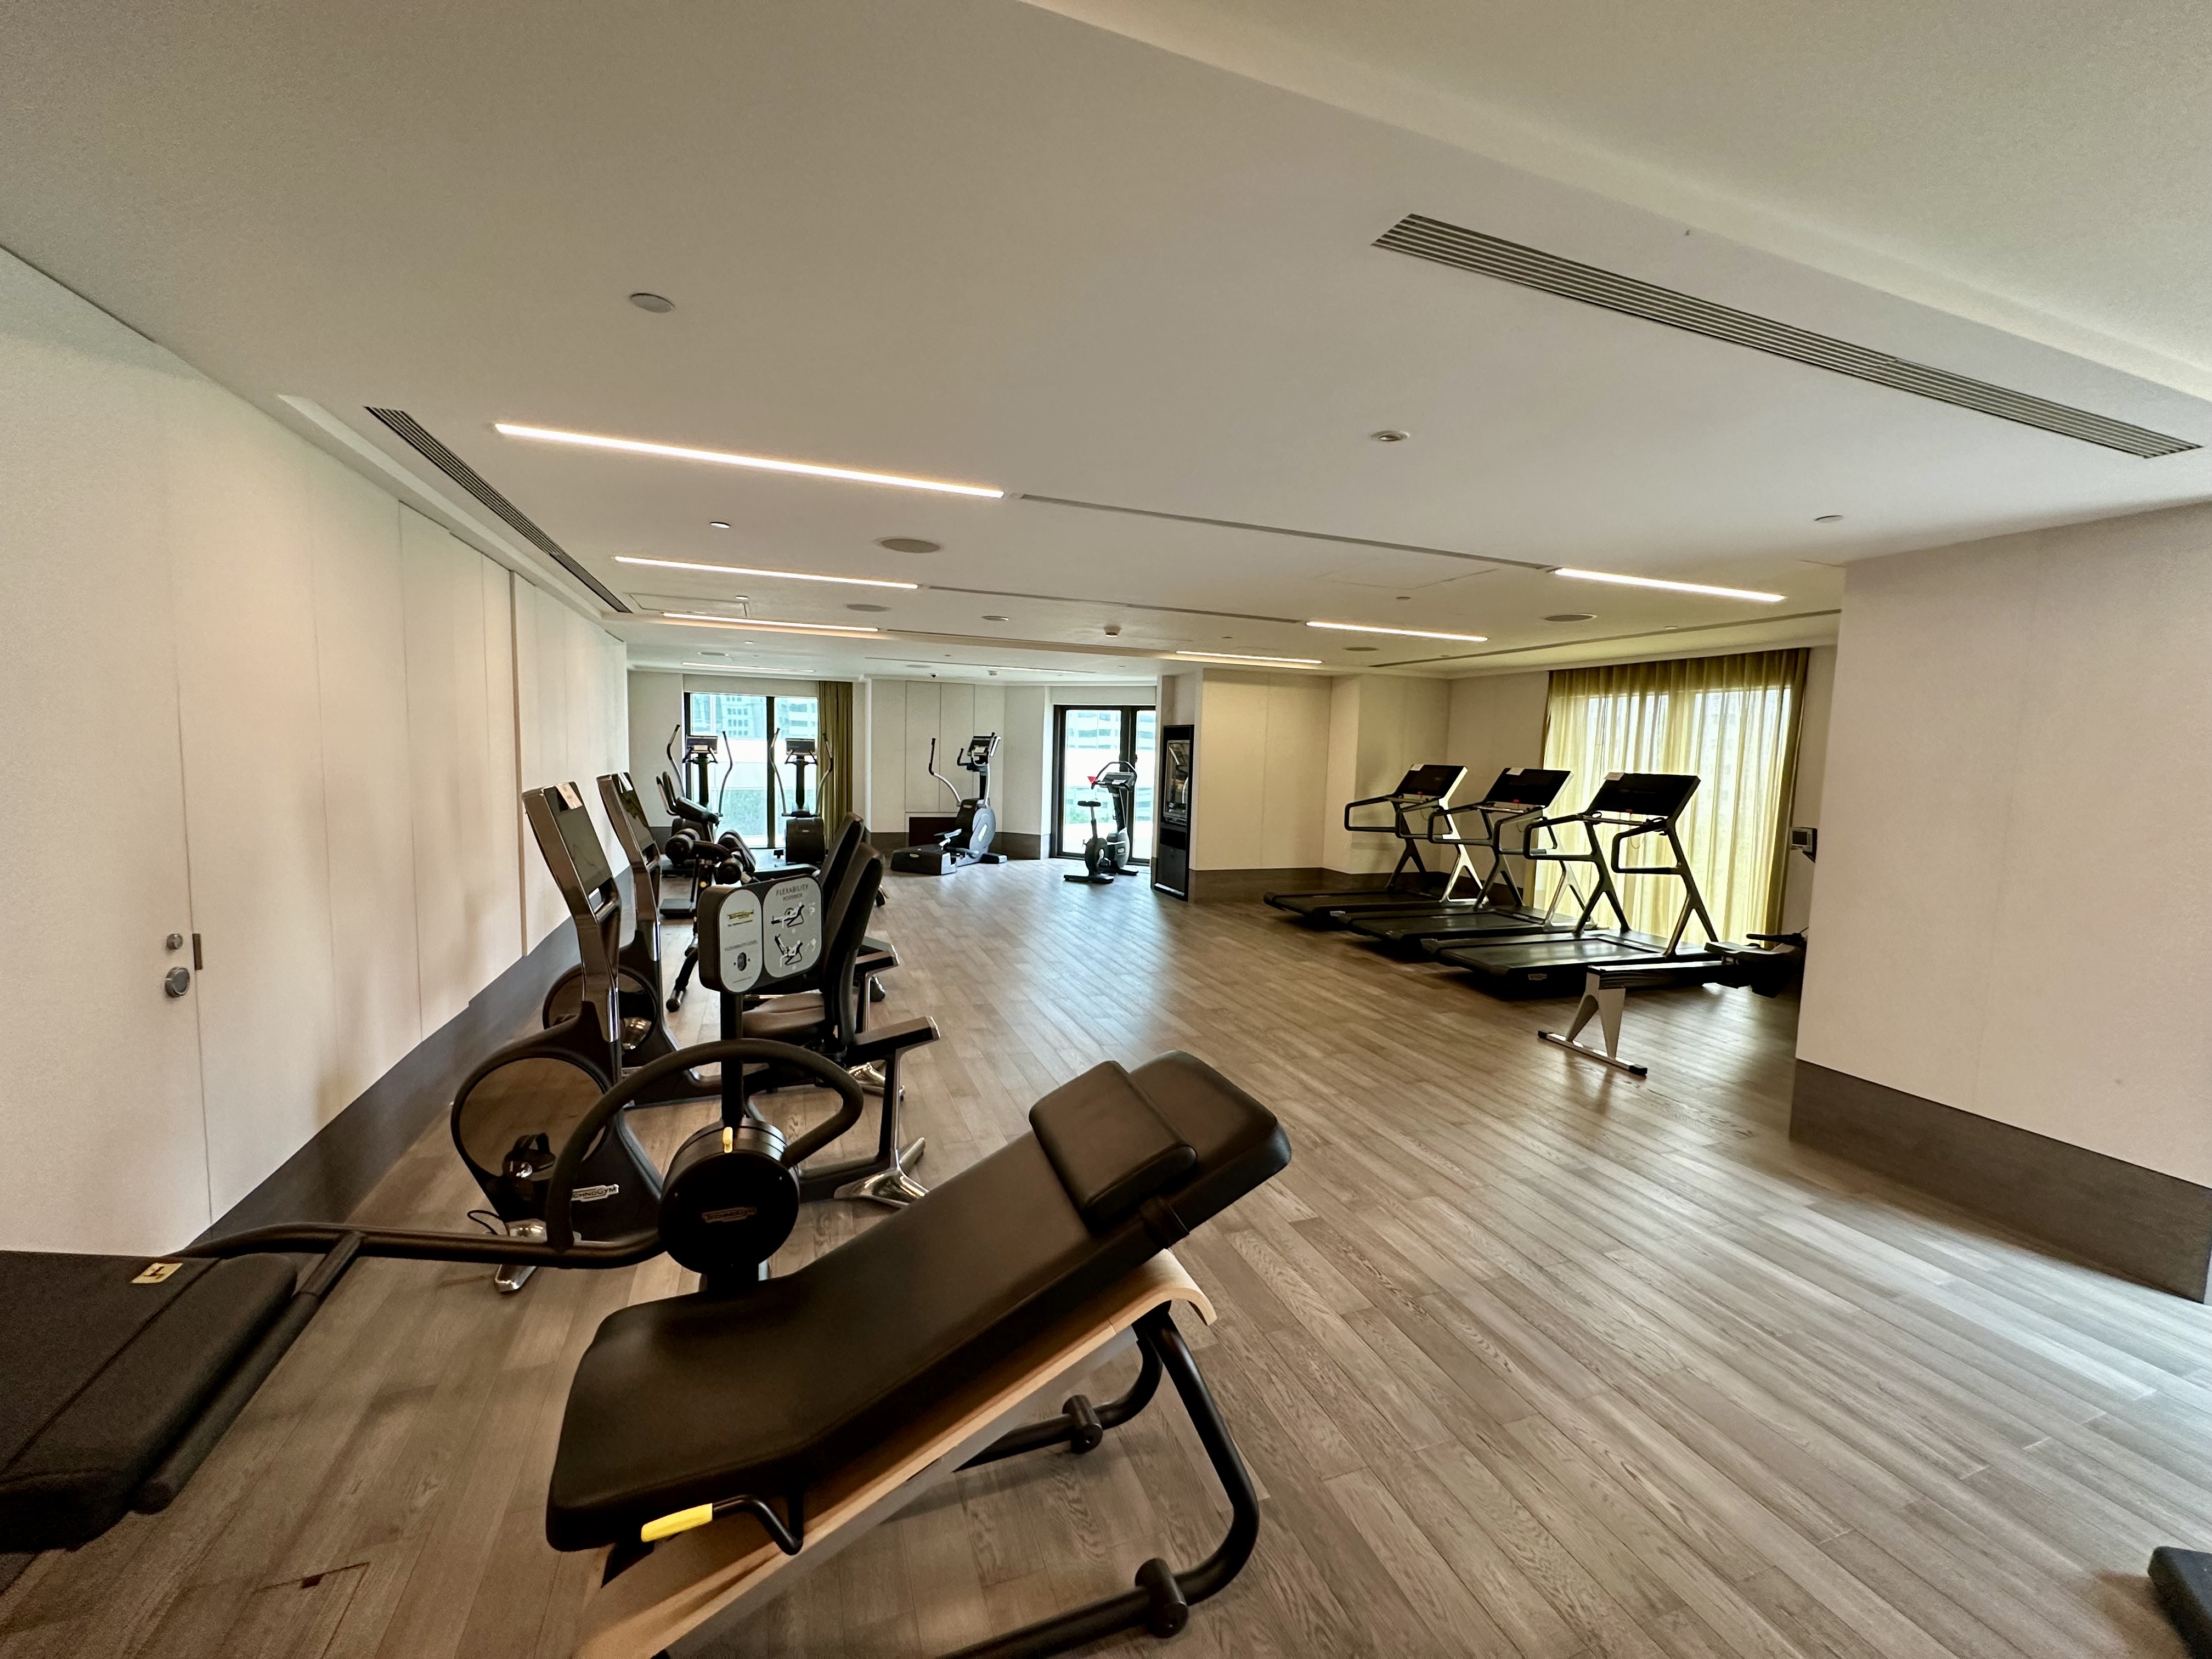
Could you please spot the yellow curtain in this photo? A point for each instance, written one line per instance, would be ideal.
(834, 731)
(1731, 720)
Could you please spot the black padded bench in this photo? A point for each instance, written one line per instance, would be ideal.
(754, 1411)
(116, 1362)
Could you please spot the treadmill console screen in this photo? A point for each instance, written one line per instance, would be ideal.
(1645, 795)
(1431, 782)
(1526, 786)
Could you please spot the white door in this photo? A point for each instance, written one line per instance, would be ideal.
(99, 1097)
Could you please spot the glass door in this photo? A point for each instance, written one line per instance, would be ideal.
(1086, 740)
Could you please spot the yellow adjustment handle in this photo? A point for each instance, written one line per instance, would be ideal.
(729, 1139)
(669, 1525)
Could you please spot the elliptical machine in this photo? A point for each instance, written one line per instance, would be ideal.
(1105, 857)
(975, 823)
(802, 829)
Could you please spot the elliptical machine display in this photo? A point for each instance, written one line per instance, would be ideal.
(1107, 856)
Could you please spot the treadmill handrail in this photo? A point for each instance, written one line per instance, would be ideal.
(1398, 805)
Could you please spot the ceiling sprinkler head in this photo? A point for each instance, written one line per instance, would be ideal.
(1113, 629)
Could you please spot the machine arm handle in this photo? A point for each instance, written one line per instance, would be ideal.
(560, 1227)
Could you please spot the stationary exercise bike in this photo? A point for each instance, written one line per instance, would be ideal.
(1105, 857)
(975, 823)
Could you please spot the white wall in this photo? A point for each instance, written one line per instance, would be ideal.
(656, 708)
(300, 699)
(1262, 761)
(899, 717)
(2016, 836)
(1381, 726)
(1022, 779)
(572, 724)
(1494, 721)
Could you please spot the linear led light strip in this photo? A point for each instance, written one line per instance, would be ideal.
(780, 626)
(1272, 662)
(722, 458)
(1673, 587)
(749, 570)
(1408, 633)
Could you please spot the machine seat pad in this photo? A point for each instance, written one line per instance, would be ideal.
(693, 1399)
(103, 1376)
(786, 1019)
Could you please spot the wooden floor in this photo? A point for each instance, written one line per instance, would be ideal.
(1528, 1358)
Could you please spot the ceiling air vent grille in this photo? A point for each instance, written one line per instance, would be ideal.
(1491, 256)
(419, 439)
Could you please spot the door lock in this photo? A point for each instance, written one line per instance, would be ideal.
(174, 942)
(177, 980)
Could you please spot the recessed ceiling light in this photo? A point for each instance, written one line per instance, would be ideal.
(722, 458)
(1573, 615)
(718, 524)
(652, 302)
(909, 544)
(1389, 435)
(867, 607)
(1272, 662)
(748, 570)
(1410, 633)
(1829, 517)
(995, 617)
(1673, 587)
(781, 627)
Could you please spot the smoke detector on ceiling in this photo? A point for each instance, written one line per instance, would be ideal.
(1572, 616)
(1389, 435)
(652, 302)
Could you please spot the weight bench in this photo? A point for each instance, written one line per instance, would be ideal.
(717, 1447)
(125, 1373)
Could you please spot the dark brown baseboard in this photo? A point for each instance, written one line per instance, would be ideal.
(1010, 842)
(1216, 886)
(2147, 1225)
(326, 1178)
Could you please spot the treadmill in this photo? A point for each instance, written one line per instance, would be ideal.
(1520, 793)
(1424, 791)
(1631, 804)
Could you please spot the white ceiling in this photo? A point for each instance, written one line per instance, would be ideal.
(2038, 163)
(980, 241)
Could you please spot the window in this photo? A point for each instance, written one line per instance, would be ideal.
(1087, 740)
(1732, 722)
(750, 725)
